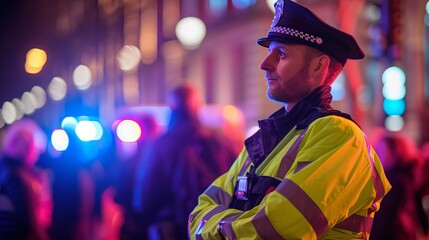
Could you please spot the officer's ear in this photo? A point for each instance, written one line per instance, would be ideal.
(319, 65)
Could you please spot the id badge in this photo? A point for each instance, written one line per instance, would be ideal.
(242, 188)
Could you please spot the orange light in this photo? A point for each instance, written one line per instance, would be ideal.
(35, 60)
(231, 114)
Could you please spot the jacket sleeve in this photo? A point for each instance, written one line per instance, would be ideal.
(213, 204)
(329, 180)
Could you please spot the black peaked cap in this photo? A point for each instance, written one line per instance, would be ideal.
(294, 23)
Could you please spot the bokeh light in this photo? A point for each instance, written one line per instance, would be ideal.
(29, 101)
(338, 88)
(190, 31)
(98, 130)
(35, 60)
(40, 95)
(87, 130)
(394, 107)
(394, 83)
(394, 91)
(129, 57)
(82, 77)
(241, 4)
(218, 6)
(128, 131)
(2, 123)
(232, 114)
(69, 123)
(394, 123)
(372, 12)
(57, 89)
(8, 112)
(148, 43)
(60, 140)
(19, 107)
(393, 74)
(427, 7)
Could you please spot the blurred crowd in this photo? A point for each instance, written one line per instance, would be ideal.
(148, 195)
(405, 209)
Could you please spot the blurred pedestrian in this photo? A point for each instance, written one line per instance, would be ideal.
(178, 167)
(73, 192)
(25, 204)
(424, 150)
(124, 184)
(401, 216)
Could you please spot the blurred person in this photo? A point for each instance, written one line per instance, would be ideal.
(73, 193)
(424, 150)
(25, 201)
(309, 172)
(233, 126)
(178, 167)
(126, 168)
(401, 216)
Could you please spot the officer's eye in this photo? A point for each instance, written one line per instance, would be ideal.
(277, 52)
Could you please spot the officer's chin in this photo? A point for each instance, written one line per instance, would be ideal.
(272, 98)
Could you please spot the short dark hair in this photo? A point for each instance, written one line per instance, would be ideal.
(335, 68)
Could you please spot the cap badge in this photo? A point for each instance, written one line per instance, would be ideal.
(279, 12)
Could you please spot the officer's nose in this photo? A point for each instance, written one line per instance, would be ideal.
(267, 63)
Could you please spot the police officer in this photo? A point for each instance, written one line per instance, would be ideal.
(309, 172)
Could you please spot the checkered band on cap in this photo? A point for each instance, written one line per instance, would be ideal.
(296, 33)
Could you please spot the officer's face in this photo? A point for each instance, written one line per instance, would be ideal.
(287, 72)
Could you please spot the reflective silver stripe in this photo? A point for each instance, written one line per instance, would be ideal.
(218, 195)
(300, 165)
(213, 212)
(205, 218)
(356, 223)
(263, 226)
(290, 156)
(192, 217)
(244, 167)
(379, 187)
(305, 205)
(226, 226)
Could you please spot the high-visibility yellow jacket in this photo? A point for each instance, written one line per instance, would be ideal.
(331, 184)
